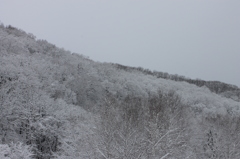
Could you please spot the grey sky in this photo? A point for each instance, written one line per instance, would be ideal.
(194, 38)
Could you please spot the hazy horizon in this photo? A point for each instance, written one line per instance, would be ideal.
(196, 39)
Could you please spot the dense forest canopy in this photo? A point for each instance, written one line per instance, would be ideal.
(58, 104)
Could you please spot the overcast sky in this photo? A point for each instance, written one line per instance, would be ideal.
(194, 38)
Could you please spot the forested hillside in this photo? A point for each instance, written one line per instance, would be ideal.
(58, 104)
(224, 89)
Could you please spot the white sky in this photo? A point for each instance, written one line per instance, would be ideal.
(194, 38)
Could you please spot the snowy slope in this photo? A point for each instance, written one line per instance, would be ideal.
(51, 94)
